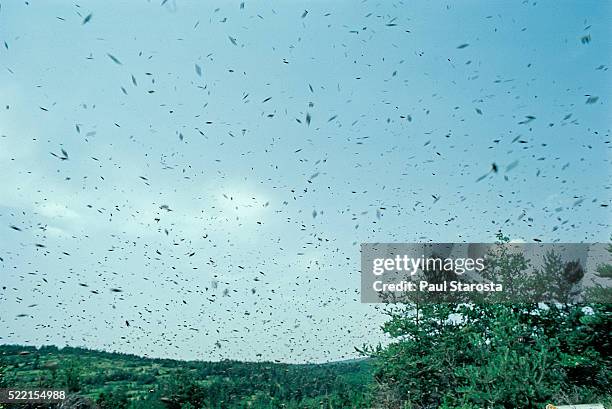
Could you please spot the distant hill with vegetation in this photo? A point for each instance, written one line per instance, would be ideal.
(115, 380)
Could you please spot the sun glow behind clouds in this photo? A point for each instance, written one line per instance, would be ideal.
(244, 202)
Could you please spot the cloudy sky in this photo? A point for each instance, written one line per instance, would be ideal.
(206, 172)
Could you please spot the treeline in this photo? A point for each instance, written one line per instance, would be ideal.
(122, 381)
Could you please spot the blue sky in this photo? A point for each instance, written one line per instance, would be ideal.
(195, 184)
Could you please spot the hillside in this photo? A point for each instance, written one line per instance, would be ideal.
(116, 380)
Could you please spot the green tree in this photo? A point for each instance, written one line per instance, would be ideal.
(71, 377)
(497, 355)
(114, 399)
